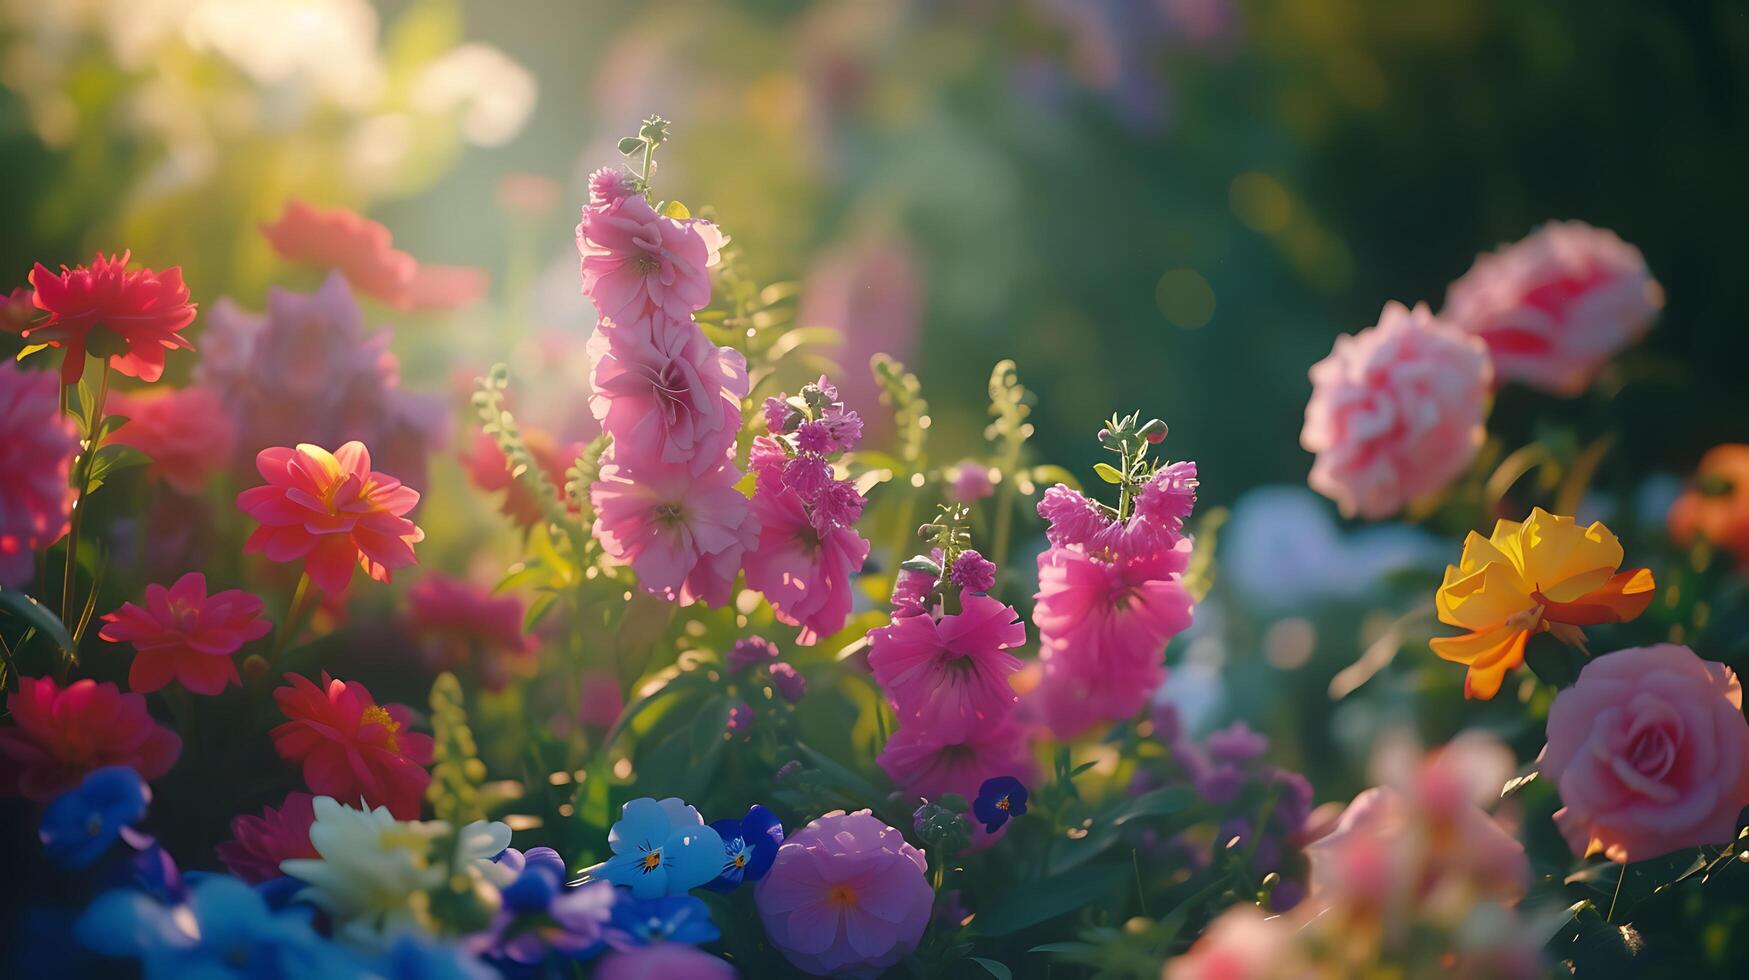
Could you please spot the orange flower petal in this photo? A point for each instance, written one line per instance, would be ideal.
(1623, 597)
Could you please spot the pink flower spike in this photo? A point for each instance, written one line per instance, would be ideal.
(182, 634)
(636, 262)
(332, 511)
(950, 676)
(804, 573)
(683, 535)
(666, 394)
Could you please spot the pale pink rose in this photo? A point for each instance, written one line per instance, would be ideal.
(1420, 843)
(683, 535)
(37, 445)
(665, 393)
(1396, 412)
(1242, 944)
(636, 262)
(1650, 754)
(1557, 305)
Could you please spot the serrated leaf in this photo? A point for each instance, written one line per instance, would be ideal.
(1108, 473)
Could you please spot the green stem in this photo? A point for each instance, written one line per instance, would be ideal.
(94, 439)
(293, 616)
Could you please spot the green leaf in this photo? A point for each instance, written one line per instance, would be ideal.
(709, 725)
(1030, 903)
(37, 615)
(996, 969)
(112, 459)
(631, 146)
(846, 778)
(538, 610)
(1157, 803)
(1070, 947)
(1108, 473)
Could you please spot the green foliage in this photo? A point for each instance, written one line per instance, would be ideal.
(456, 771)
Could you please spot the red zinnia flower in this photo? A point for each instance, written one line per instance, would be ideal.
(332, 511)
(262, 842)
(183, 634)
(352, 748)
(62, 734)
(133, 317)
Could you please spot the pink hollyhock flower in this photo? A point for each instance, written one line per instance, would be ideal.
(608, 185)
(666, 394)
(58, 735)
(458, 625)
(683, 535)
(259, 844)
(37, 446)
(488, 469)
(183, 634)
(949, 676)
(333, 511)
(1071, 518)
(973, 572)
(663, 961)
(929, 767)
(1650, 753)
(350, 747)
(600, 701)
(845, 896)
(1557, 305)
(970, 482)
(131, 317)
(1396, 412)
(636, 262)
(363, 251)
(804, 573)
(187, 431)
(1103, 624)
(1243, 944)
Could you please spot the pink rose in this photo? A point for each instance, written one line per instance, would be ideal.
(1557, 305)
(1396, 412)
(1650, 753)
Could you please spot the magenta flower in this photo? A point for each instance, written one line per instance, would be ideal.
(188, 432)
(183, 634)
(949, 677)
(926, 766)
(1396, 412)
(846, 896)
(460, 625)
(259, 843)
(60, 734)
(636, 262)
(665, 393)
(683, 535)
(37, 445)
(1556, 306)
(1103, 625)
(805, 573)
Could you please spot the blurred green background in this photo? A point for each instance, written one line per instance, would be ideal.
(1172, 205)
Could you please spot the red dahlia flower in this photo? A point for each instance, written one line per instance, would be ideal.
(352, 748)
(185, 635)
(332, 511)
(59, 735)
(260, 843)
(133, 317)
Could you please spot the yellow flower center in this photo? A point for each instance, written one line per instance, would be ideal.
(652, 861)
(377, 715)
(1002, 804)
(842, 895)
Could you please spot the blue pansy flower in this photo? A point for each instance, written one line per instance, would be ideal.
(82, 824)
(224, 930)
(661, 848)
(749, 846)
(540, 917)
(998, 799)
(671, 919)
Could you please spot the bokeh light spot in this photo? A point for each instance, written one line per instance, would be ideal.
(1261, 202)
(1185, 298)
